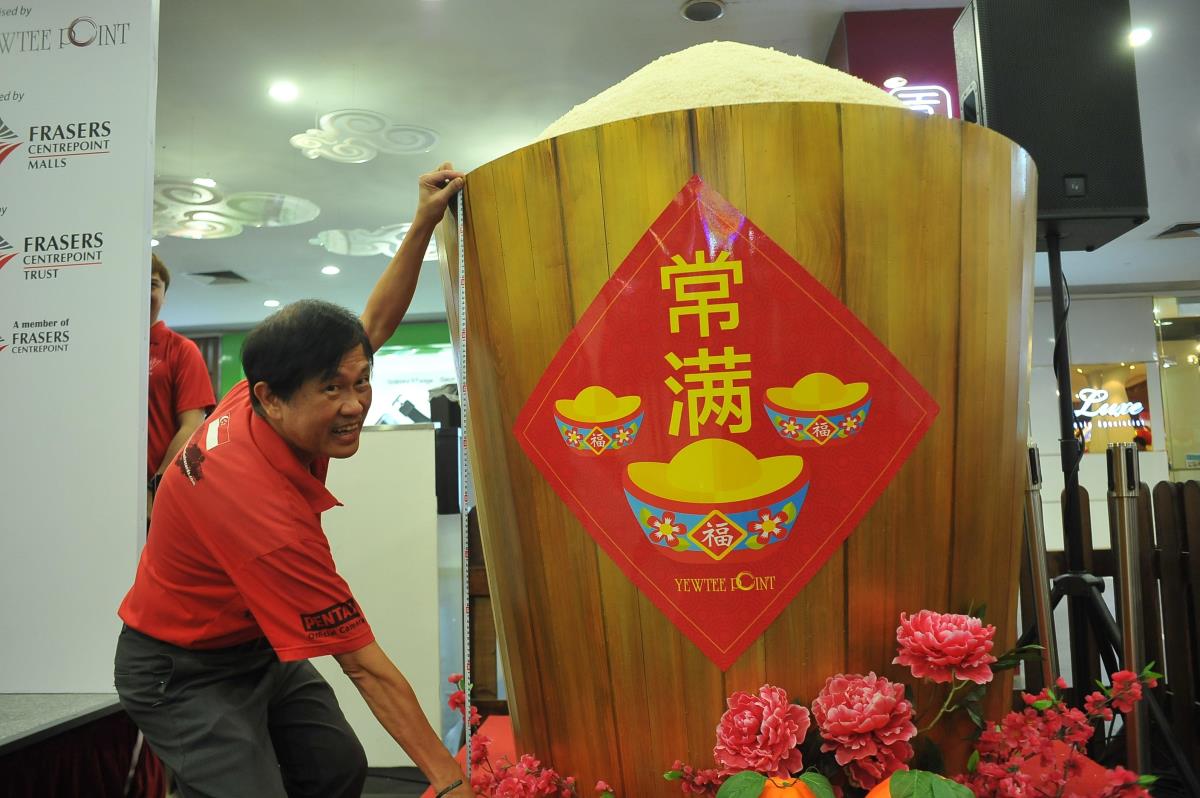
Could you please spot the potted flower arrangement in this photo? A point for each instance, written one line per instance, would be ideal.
(859, 736)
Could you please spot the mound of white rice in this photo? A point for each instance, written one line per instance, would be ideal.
(719, 73)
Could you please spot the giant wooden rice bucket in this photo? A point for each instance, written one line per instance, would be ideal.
(924, 227)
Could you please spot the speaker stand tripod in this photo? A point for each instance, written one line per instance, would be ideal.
(1083, 590)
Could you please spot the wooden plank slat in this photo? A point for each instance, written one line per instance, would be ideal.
(1151, 606)
(665, 146)
(902, 197)
(570, 630)
(1168, 526)
(995, 307)
(1191, 571)
(493, 395)
(794, 194)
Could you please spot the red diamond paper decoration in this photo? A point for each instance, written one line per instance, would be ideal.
(736, 419)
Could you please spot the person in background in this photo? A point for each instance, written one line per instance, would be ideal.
(180, 392)
(236, 588)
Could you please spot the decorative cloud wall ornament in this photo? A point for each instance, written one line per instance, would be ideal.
(357, 136)
(185, 210)
(360, 242)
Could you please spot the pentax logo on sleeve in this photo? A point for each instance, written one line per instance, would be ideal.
(340, 618)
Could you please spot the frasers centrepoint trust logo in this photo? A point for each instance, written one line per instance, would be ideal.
(79, 32)
(45, 257)
(7, 252)
(51, 145)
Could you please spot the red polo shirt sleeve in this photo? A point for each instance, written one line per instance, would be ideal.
(287, 578)
(303, 606)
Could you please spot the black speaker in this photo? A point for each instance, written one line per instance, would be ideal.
(1057, 77)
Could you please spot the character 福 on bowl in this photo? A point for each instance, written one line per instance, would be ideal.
(715, 499)
(596, 420)
(818, 409)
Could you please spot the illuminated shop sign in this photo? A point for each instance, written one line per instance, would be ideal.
(932, 100)
(1111, 405)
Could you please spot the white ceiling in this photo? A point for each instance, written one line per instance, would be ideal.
(488, 76)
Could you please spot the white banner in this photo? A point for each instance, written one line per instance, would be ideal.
(77, 97)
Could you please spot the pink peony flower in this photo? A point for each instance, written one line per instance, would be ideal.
(867, 723)
(868, 772)
(761, 733)
(943, 647)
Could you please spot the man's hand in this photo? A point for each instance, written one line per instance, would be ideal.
(393, 293)
(435, 192)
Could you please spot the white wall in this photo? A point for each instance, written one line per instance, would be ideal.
(385, 544)
(1100, 331)
(72, 410)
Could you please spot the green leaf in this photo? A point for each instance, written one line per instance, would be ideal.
(974, 713)
(973, 761)
(820, 786)
(1045, 703)
(919, 784)
(673, 775)
(979, 613)
(1147, 780)
(746, 784)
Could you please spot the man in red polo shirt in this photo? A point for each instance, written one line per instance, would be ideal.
(180, 391)
(236, 587)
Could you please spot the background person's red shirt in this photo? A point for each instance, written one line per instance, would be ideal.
(179, 381)
(236, 551)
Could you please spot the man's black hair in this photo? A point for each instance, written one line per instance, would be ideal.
(306, 339)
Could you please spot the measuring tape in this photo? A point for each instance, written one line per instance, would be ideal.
(464, 475)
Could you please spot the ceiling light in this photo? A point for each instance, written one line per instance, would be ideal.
(271, 303)
(283, 91)
(207, 182)
(702, 10)
(1139, 36)
(331, 269)
(154, 242)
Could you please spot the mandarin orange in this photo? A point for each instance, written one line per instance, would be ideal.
(785, 788)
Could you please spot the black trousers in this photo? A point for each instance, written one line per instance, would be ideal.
(238, 723)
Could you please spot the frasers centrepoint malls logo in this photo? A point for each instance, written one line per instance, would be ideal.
(52, 145)
(45, 257)
(36, 337)
(9, 141)
(79, 32)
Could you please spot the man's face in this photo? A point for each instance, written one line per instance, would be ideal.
(158, 292)
(325, 417)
